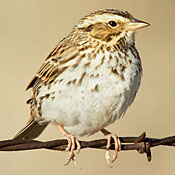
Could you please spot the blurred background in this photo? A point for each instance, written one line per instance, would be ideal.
(29, 30)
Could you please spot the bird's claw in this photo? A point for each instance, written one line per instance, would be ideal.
(117, 144)
(72, 143)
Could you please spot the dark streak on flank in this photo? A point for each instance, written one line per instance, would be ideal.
(101, 48)
(81, 78)
(92, 76)
(97, 76)
(114, 71)
(130, 61)
(96, 88)
(86, 65)
(81, 57)
(47, 95)
(39, 108)
(75, 65)
(101, 63)
(68, 83)
(74, 81)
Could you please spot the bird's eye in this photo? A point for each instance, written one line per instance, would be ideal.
(112, 23)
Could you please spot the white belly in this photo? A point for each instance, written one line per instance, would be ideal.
(94, 104)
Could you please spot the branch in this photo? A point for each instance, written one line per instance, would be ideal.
(142, 144)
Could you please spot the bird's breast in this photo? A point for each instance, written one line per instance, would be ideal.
(91, 96)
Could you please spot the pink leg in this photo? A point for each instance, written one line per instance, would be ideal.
(117, 144)
(72, 141)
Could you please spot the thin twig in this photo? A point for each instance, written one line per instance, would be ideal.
(142, 144)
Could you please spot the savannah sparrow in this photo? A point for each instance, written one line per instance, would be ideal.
(88, 81)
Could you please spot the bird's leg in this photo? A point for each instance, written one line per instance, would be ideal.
(117, 144)
(72, 142)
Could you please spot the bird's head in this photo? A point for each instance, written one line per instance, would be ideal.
(110, 25)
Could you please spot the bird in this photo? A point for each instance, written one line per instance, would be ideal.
(88, 81)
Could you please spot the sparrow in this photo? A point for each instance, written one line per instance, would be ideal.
(88, 81)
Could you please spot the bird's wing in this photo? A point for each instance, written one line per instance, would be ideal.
(54, 65)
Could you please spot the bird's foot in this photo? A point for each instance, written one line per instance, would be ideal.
(73, 144)
(117, 145)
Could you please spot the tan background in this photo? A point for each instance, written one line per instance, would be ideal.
(29, 30)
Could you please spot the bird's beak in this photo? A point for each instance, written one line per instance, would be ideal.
(136, 24)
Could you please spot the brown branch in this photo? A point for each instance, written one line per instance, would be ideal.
(142, 144)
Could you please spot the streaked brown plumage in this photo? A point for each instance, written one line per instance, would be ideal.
(89, 80)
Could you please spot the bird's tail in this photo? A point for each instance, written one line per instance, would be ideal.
(31, 130)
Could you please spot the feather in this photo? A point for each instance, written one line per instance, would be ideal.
(31, 130)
